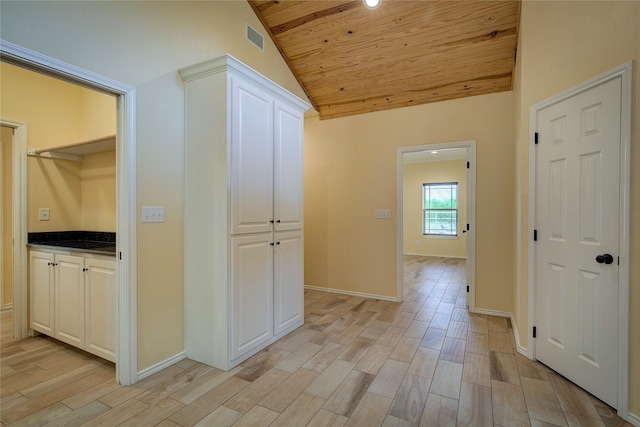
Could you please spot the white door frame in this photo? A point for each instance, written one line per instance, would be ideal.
(624, 72)
(126, 367)
(470, 146)
(19, 229)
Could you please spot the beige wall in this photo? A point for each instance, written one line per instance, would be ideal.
(98, 192)
(59, 113)
(563, 44)
(143, 44)
(416, 174)
(6, 140)
(350, 170)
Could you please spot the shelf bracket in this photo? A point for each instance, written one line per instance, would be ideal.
(53, 155)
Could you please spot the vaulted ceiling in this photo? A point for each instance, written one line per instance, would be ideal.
(351, 59)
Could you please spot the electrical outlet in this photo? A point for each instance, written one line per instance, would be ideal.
(153, 214)
(383, 214)
(43, 214)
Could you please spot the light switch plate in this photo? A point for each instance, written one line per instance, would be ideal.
(153, 214)
(383, 214)
(43, 214)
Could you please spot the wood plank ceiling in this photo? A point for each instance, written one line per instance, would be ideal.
(351, 59)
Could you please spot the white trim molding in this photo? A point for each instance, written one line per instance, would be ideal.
(126, 366)
(161, 365)
(19, 229)
(625, 74)
(355, 294)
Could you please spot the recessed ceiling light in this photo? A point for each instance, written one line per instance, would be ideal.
(371, 4)
(434, 152)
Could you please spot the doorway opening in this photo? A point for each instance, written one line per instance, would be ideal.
(426, 227)
(126, 367)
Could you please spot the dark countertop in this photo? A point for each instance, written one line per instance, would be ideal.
(75, 241)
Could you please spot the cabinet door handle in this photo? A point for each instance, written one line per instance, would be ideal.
(278, 221)
(277, 243)
(271, 243)
(85, 269)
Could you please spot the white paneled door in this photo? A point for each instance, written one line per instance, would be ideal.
(577, 223)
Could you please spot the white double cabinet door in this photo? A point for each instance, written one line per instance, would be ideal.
(73, 299)
(244, 214)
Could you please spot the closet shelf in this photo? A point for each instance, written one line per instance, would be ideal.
(77, 150)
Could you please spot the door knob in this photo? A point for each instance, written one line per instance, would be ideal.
(604, 259)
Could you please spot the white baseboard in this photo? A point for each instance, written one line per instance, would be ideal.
(161, 365)
(492, 312)
(633, 419)
(435, 255)
(355, 294)
(519, 348)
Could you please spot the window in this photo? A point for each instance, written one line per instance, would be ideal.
(440, 209)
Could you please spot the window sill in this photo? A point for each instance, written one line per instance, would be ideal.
(440, 236)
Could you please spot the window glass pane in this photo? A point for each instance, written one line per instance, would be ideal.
(440, 211)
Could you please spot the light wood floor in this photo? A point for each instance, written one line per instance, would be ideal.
(356, 361)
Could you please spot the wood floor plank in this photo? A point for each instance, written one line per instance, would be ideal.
(349, 393)
(447, 379)
(43, 416)
(300, 412)
(389, 378)
(500, 342)
(439, 411)
(371, 411)
(249, 396)
(80, 416)
(257, 416)
(503, 367)
(118, 415)
(391, 336)
(325, 357)
(373, 359)
(405, 349)
(221, 417)
(161, 409)
(453, 350)
(299, 357)
(287, 391)
(172, 384)
(475, 407)
(208, 402)
(509, 407)
(478, 343)
(42, 401)
(478, 323)
(477, 369)
(123, 394)
(572, 398)
(356, 349)
(329, 380)
(203, 384)
(424, 362)
(417, 329)
(326, 418)
(541, 401)
(409, 402)
(433, 338)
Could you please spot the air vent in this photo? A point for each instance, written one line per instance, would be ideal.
(255, 37)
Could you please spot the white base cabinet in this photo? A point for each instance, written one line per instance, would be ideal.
(243, 212)
(73, 299)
